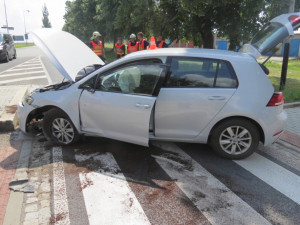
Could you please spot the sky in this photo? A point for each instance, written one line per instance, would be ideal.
(17, 9)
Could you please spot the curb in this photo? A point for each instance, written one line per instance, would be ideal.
(15, 202)
(291, 105)
(289, 146)
(9, 119)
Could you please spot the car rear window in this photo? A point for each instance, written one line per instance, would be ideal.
(201, 73)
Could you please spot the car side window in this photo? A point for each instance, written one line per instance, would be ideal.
(133, 79)
(225, 78)
(201, 73)
(192, 72)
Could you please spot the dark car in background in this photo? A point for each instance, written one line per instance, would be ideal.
(7, 48)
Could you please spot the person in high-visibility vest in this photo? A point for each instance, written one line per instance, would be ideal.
(133, 45)
(160, 43)
(97, 46)
(120, 48)
(143, 44)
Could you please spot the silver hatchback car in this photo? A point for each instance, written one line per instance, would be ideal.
(218, 97)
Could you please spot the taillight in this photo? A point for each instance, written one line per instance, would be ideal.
(276, 100)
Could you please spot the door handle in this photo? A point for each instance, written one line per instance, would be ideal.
(216, 98)
(141, 105)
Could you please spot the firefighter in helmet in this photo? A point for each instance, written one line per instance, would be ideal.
(97, 46)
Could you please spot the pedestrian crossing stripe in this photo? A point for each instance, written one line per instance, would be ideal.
(108, 197)
(33, 69)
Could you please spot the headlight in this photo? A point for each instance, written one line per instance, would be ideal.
(27, 100)
(1, 47)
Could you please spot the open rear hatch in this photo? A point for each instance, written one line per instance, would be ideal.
(273, 33)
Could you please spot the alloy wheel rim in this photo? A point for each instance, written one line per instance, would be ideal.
(62, 130)
(235, 140)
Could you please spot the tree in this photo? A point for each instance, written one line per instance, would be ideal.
(45, 19)
(195, 20)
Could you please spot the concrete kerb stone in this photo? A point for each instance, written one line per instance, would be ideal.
(9, 119)
(291, 105)
(15, 202)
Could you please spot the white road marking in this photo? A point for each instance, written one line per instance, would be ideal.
(61, 208)
(20, 74)
(46, 71)
(18, 80)
(107, 195)
(29, 64)
(274, 175)
(216, 202)
(31, 68)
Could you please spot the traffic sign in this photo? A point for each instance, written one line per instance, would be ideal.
(9, 28)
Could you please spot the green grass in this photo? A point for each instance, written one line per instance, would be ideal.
(110, 55)
(22, 45)
(291, 91)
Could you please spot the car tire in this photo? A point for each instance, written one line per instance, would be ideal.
(58, 128)
(235, 138)
(15, 55)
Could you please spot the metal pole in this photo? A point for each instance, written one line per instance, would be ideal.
(285, 60)
(6, 17)
(284, 67)
(25, 25)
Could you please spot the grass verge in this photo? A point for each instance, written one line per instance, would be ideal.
(22, 45)
(291, 91)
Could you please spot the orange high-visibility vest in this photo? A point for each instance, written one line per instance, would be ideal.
(97, 48)
(161, 44)
(142, 46)
(133, 48)
(119, 50)
(152, 44)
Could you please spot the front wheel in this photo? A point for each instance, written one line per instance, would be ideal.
(58, 128)
(15, 55)
(235, 138)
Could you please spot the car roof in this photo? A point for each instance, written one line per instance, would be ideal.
(190, 52)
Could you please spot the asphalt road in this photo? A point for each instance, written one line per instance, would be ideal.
(31, 67)
(102, 181)
(111, 182)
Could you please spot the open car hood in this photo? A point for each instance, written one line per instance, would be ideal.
(67, 53)
(273, 33)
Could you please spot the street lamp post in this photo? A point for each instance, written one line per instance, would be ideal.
(6, 17)
(25, 36)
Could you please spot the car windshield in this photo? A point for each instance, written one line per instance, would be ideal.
(270, 36)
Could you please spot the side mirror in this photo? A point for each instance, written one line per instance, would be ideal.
(89, 89)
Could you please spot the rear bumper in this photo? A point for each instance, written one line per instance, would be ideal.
(275, 128)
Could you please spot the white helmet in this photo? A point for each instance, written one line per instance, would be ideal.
(96, 34)
(132, 35)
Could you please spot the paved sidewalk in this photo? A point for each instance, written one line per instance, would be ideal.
(292, 133)
(7, 94)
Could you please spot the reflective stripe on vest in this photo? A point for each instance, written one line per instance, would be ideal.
(142, 46)
(161, 44)
(133, 48)
(97, 48)
(119, 50)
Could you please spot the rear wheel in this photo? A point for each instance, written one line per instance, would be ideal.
(58, 128)
(235, 138)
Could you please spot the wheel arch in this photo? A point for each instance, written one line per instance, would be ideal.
(258, 126)
(38, 113)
